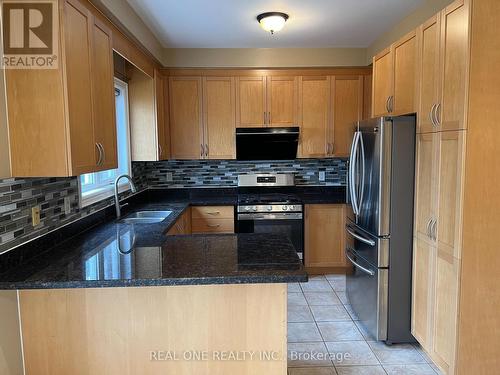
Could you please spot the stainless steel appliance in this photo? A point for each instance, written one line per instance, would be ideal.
(267, 143)
(379, 225)
(262, 210)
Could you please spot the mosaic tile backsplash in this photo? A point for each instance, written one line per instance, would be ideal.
(210, 173)
(18, 196)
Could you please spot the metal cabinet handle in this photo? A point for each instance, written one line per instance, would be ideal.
(269, 118)
(358, 237)
(202, 150)
(431, 115)
(437, 112)
(365, 270)
(434, 230)
(265, 118)
(391, 103)
(213, 225)
(206, 150)
(429, 228)
(103, 154)
(160, 150)
(100, 154)
(213, 213)
(387, 104)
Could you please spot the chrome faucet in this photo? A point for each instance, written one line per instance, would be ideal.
(117, 201)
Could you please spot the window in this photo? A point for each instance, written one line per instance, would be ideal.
(98, 186)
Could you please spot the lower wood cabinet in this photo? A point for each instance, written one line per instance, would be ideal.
(182, 225)
(212, 219)
(324, 235)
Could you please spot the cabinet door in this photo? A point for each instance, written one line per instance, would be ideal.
(382, 82)
(104, 95)
(314, 101)
(451, 166)
(367, 96)
(454, 66)
(161, 122)
(186, 130)
(78, 25)
(282, 99)
(405, 74)
(429, 73)
(324, 235)
(219, 117)
(426, 183)
(347, 109)
(250, 102)
(445, 317)
(424, 258)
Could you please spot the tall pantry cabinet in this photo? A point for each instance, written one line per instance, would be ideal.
(455, 308)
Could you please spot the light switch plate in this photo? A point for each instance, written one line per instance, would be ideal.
(322, 176)
(67, 205)
(35, 215)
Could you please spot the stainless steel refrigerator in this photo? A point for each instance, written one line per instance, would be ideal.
(379, 225)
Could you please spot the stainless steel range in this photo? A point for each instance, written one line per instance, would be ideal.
(263, 210)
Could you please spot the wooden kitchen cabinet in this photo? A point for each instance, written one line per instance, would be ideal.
(282, 98)
(324, 235)
(182, 225)
(444, 52)
(251, 108)
(315, 103)
(367, 96)
(395, 78)
(347, 110)
(71, 131)
(212, 219)
(186, 122)
(219, 117)
(162, 119)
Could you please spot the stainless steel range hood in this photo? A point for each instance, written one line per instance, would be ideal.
(267, 143)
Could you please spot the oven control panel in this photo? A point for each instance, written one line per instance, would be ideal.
(270, 208)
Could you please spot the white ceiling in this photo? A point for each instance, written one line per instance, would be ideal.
(232, 23)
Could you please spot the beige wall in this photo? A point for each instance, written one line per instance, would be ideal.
(263, 57)
(409, 23)
(11, 362)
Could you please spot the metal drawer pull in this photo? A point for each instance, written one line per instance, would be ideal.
(202, 150)
(103, 153)
(429, 228)
(437, 111)
(213, 225)
(387, 104)
(213, 213)
(357, 236)
(431, 115)
(433, 230)
(365, 270)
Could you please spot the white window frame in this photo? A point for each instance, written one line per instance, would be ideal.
(107, 190)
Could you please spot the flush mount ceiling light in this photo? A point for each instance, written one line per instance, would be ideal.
(272, 21)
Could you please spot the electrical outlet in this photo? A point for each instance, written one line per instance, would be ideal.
(169, 177)
(67, 205)
(35, 215)
(322, 176)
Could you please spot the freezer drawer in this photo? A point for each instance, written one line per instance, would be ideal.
(367, 291)
(373, 249)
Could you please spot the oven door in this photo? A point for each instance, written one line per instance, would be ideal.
(290, 224)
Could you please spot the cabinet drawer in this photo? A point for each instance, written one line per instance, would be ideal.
(213, 212)
(212, 225)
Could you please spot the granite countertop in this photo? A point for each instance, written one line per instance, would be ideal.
(116, 254)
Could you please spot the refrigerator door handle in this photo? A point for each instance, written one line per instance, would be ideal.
(361, 268)
(358, 237)
(363, 170)
(352, 167)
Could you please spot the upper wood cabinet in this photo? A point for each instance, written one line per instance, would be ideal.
(162, 118)
(367, 96)
(72, 129)
(347, 110)
(186, 126)
(282, 97)
(444, 46)
(324, 235)
(266, 101)
(219, 117)
(251, 110)
(315, 103)
(202, 117)
(394, 78)
(329, 108)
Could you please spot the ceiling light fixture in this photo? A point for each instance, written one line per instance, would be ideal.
(272, 21)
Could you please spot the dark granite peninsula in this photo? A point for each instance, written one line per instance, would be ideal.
(130, 299)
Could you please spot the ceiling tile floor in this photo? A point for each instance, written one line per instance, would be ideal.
(325, 337)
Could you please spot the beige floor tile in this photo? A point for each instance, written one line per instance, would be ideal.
(330, 313)
(360, 370)
(351, 312)
(312, 371)
(299, 314)
(338, 284)
(396, 354)
(339, 331)
(366, 335)
(308, 354)
(350, 353)
(296, 299)
(421, 369)
(303, 332)
(422, 352)
(322, 298)
(316, 286)
(342, 297)
(294, 288)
